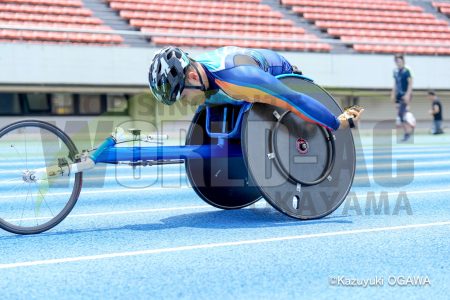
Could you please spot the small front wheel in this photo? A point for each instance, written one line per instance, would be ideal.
(30, 205)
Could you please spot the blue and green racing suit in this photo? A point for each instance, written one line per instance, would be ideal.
(239, 74)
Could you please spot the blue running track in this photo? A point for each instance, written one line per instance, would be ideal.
(127, 240)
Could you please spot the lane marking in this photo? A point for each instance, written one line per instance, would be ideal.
(422, 174)
(114, 179)
(150, 188)
(418, 192)
(396, 152)
(411, 151)
(122, 190)
(216, 245)
(120, 212)
(183, 177)
(152, 210)
(194, 207)
(394, 156)
(208, 206)
(402, 164)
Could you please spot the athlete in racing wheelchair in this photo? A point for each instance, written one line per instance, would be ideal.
(243, 143)
(233, 74)
(304, 166)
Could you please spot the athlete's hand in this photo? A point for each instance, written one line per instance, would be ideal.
(353, 112)
(296, 70)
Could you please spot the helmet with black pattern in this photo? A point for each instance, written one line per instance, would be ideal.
(167, 74)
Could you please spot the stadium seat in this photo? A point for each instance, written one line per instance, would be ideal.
(214, 32)
(69, 3)
(375, 5)
(7, 16)
(194, 10)
(210, 43)
(362, 12)
(203, 4)
(217, 27)
(58, 14)
(423, 50)
(385, 33)
(204, 18)
(381, 26)
(226, 19)
(43, 9)
(443, 7)
(377, 21)
(372, 19)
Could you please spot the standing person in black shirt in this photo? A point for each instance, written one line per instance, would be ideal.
(436, 112)
(402, 93)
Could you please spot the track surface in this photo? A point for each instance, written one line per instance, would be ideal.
(166, 243)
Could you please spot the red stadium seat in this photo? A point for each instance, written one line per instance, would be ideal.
(372, 5)
(69, 3)
(372, 19)
(53, 14)
(362, 12)
(211, 18)
(194, 10)
(377, 21)
(41, 9)
(203, 4)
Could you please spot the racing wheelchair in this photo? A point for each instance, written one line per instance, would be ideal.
(234, 155)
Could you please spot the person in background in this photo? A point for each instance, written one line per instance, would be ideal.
(436, 112)
(402, 93)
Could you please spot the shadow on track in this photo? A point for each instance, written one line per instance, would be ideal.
(233, 219)
(221, 219)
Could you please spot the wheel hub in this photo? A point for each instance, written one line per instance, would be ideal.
(302, 146)
(29, 176)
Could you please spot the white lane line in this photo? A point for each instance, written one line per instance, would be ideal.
(415, 175)
(217, 245)
(115, 179)
(123, 212)
(194, 207)
(395, 152)
(150, 189)
(122, 190)
(183, 177)
(359, 195)
(401, 164)
(395, 156)
(411, 192)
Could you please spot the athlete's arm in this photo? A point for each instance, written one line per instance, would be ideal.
(393, 92)
(436, 109)
(252, 84)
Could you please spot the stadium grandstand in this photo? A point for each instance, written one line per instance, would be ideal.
(90, 58)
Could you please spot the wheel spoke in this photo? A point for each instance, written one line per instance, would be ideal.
(14, 187)
(26, 149)
(18, 153)
(36, 208)
(9, 180)
(24, 204)
(43, 199)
